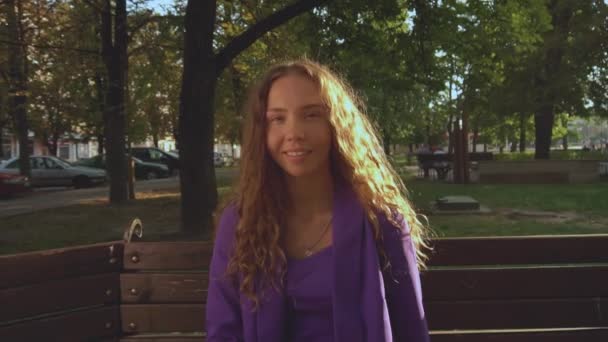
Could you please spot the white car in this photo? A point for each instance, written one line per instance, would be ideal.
(53, 171)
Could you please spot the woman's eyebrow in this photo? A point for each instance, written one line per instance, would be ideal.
(276, 109)
(305, 107)
(313, 106)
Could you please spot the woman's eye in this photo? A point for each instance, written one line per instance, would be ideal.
(312, 114)
(276, 119)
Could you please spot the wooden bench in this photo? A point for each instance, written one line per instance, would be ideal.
(540, 288)
(476, 289)
(442, 163)
(539, 171)
(117, 291)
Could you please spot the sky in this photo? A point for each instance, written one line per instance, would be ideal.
(157, 4)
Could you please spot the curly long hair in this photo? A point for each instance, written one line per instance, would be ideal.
(357, 158)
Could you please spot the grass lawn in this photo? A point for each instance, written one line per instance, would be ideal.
(516, 210)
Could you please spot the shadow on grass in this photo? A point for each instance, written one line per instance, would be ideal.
(90, 223)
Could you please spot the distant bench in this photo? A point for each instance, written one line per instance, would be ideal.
(442, 163)
(540, 171)
(495, 289)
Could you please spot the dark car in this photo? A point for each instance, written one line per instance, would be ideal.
(143, 170)
(11, 184)
(155, 155)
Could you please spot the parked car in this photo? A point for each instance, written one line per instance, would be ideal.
(155, 155)
(11, 184)
(228, 160)
(143, 170)
(53, 171)
(218, 159)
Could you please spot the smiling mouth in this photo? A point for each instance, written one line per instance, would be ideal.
(297, 154)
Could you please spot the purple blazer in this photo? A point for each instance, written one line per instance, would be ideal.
(368, 304)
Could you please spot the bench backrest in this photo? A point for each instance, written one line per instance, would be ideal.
(550, 288)
(164, 288)
(542, 288)
(73, 293)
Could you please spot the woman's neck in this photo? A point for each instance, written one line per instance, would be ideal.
(310, 196)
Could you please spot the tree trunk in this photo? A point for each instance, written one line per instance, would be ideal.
(100, 144)
(450, 133)
(196, 121)
(475, 137)
(4, 119)
(543, 126)
(451, 108)
(103, 123)
(501, 139)
(386, 140)
(131, 175)
(561, 12)
(115, 58)
(53, 144)
(565, 120)
(1, 140)
(428, 133)
(17, 93)
(522, 132)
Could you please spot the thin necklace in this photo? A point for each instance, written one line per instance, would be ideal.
(308, 251)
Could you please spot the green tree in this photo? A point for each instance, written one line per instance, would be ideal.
(565, 73)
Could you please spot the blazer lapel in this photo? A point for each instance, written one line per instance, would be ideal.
(348, 230)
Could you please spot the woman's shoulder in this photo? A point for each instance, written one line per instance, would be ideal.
(394, 230)
(396, 224)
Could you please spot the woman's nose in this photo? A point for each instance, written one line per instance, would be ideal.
(294, 130)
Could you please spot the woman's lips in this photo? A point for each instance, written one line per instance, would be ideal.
(296, 156)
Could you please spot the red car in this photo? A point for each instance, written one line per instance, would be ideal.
(13, 184)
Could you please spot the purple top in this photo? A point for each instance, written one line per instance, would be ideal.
(308, 291)
(367, 303)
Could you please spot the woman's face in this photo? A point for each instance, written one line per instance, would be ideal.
(298, 135)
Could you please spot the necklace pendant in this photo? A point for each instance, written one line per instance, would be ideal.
(307, 253)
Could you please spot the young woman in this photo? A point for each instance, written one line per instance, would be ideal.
(320, 243)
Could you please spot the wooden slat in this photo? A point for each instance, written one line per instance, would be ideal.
(591, 335)
(520, 250)
(89, 325)
(164, 338)
(517, 314)
(168, 255)
(164, 288)
(516, 283)
(59, 295)
(36, 267)
(162, 318)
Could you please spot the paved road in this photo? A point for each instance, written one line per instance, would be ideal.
(47, 198)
